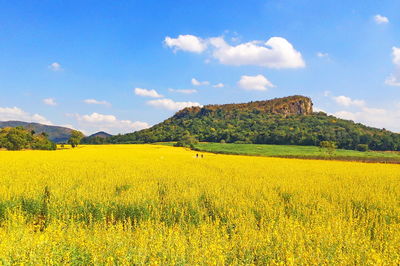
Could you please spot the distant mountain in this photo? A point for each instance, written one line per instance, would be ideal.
(96, 138)
(100, 134)
(288, 120)
(56, 133)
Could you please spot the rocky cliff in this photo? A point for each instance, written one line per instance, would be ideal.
(291, 105)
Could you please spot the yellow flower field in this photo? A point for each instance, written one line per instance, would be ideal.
(149, 204)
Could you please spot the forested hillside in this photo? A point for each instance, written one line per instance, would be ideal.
(288, 120)
(55, 133)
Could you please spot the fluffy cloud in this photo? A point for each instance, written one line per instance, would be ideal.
(188, 43)
(277, 52)
(100, 122)
(189, 91)
(17, 114)
(347, 101)
(379, 19)
(147, 93)
(396, 55)
(50, 101)
(394, 78)
(219, 85)
(195, 82)
(171, 105)
(94, 101)
(257, 83)
(376, 117)
(55, 67)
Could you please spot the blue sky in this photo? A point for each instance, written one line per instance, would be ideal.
(120, 66)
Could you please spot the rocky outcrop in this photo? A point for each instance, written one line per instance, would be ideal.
(294, 105)
(291, 105)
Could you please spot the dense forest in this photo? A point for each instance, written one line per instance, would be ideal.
(288, 120)
(19, 138)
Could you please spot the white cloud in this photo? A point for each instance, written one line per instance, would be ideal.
(379, 19)
(376, 117)
(55, 67)
(347, 101)
(277, 52)
(396, 55)
(188, 43)
(147, 93)
(109, 123)
(322, 55)
(94, 101)
(219, 85)
(394, 78)
(17, 114)
(171, 105)
(188, 91)
(195, 82)
(317, 109)
(50, 101)
(258, 83)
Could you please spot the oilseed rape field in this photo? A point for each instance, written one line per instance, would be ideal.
(151, 204)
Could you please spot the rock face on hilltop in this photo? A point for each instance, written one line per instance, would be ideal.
(288, 120)
(292, 105)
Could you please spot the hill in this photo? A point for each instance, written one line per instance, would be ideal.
(96, 138)
(55, 133)
(288, 120)
(100, 134)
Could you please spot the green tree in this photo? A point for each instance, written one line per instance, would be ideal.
(362, 147)
(19, 138)
(75, 138)
(328, 146)
(187, 140)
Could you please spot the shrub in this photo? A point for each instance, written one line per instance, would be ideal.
(187, 140)
(328, 146)
(362, 147)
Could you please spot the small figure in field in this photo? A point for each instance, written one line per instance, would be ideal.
(202, 156)
(197, 155)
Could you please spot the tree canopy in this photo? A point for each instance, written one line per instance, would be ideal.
(254, 126)
(18, 138)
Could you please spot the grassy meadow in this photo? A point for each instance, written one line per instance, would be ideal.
(295, 151)
(154, 204)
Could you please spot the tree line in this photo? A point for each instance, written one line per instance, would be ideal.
(19, 138)
(255, 126)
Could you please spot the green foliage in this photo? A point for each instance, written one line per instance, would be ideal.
(328, 146)
(75, 139)
(54, 133)
(19, 138)
(362, 147)
(233, 123)
(186, 140)
(293, 151)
